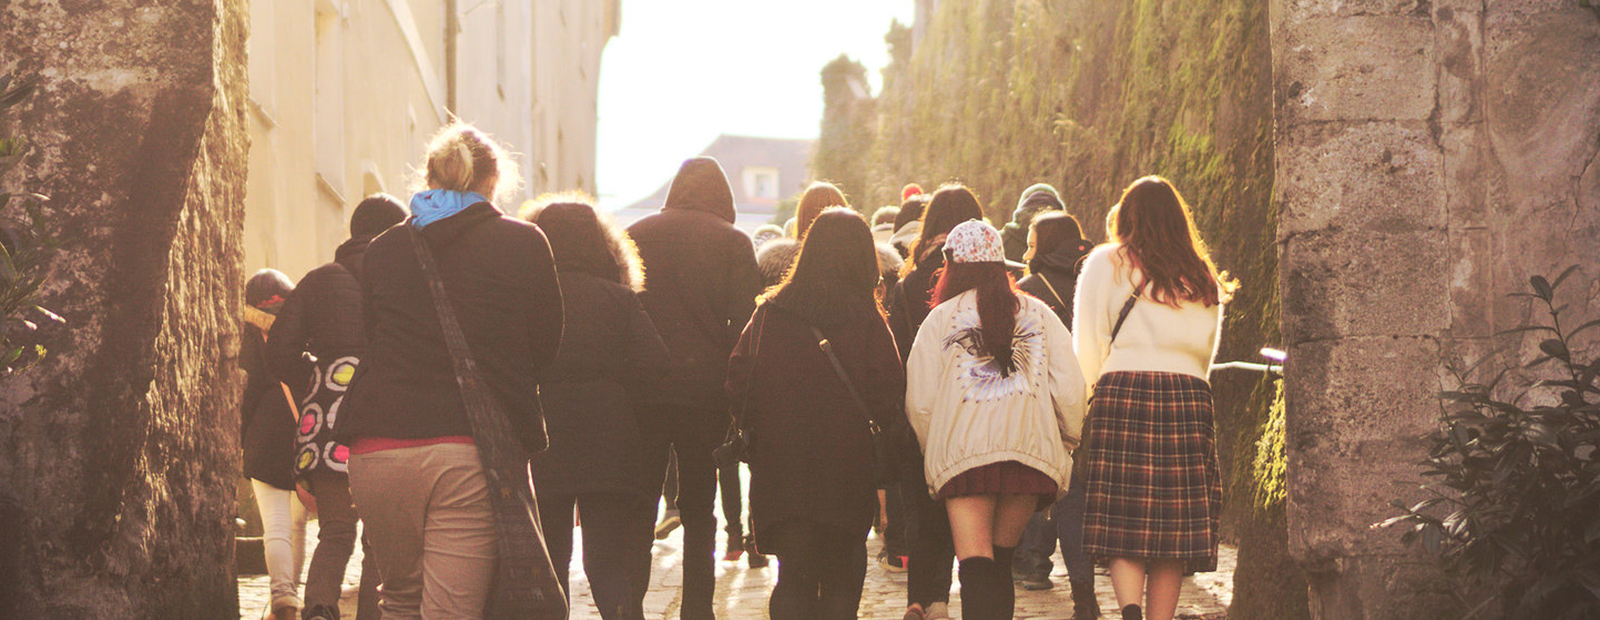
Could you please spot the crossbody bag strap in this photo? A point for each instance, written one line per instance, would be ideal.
(491, 429)
(1123, 316)
(827, 348)
(1046, 279)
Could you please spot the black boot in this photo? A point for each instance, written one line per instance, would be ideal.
(1132, 612)
(979, 597)
(1006, 602)
(1084, 605)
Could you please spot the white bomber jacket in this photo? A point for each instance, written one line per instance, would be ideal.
(966, 415)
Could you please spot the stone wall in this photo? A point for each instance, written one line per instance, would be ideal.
(1431, 156)
(120, 451)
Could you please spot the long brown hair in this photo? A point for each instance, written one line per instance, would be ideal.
(1158, 236)
(997, 305)
(818, 196)
(951, 205)
(836, 272)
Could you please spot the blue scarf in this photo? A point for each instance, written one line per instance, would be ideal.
(436, 204)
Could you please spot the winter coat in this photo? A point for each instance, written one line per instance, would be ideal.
(1054, 277)
(966, 414)
(908, 300)
(903, 239)
(320, 334)
(703, 285)
(610, 353)
(811, 448)
(266, 419)
(501, 281)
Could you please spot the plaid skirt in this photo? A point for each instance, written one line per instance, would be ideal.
(1154, 487)
(1003, 478)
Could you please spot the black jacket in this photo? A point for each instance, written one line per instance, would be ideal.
(702, 283)
(320, 334)
(1060, 269)
(907, 301)
(266, 420)
(502, 285)
(610, 353)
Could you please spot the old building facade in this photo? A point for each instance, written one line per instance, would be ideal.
(344, 94)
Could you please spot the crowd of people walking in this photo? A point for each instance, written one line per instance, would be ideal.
(472, 386)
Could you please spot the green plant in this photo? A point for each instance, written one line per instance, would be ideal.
(1516, 475)
(24, 255)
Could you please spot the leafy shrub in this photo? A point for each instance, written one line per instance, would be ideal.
(24, 254)
(1517, 480)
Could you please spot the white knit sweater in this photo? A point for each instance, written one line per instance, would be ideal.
(1155, 337)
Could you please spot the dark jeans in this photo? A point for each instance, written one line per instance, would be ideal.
(336, 540)
(732, 500)
(692, 433)
(894, 532)
(611, 527)
(1066, 524)
(928, 534)
(820, 572)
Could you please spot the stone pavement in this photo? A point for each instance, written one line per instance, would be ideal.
(742, 592)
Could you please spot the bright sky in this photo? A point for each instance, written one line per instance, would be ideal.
(683, 71)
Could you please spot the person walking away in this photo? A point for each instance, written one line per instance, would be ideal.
(1039, 198)
(415, 469)
(609, 354)
(812, 493)
(908, 222)
(927, 527)
(266, 432)
(996, 400)
(1146, 321)
(883, 223)
(320, 333)
(703, 288)
(1056, 249)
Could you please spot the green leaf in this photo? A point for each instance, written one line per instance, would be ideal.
(8, 270)
(1562, 278)
(1541, 287)
(1554, 347)
(1574, 333)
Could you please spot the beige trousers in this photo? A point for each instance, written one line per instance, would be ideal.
(427, 514)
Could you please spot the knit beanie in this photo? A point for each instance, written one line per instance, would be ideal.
(267, 289)
(375, 214)
(1038, 197)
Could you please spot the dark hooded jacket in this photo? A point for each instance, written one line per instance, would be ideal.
(501, 281)
(1060, 269)
(1038, 198)
(907, 301)
(703, 284)
(320, 334)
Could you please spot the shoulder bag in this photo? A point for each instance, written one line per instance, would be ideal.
(735, 446)
(882, 448)
(525, 585)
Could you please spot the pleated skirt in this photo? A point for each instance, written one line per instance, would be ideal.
(1154, 486)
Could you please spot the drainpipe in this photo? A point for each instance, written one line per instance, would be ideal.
(452, 29)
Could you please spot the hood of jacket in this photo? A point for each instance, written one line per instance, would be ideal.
(1064, 260)
(351, 252)
(446, 231)
(700, 185)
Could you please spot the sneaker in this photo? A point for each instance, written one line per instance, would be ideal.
(892, 563)
(320, 612)
(664, 529)
(1035, 583)
(913, 613)
(937, 611)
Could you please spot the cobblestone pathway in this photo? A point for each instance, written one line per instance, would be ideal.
(742, 592)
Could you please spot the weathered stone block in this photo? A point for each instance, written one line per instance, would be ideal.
(1366, 176)
(1356, 283)
(1311, 9)
(1354, 68)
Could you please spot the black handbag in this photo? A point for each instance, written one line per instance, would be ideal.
(525, 585)
(735, 446)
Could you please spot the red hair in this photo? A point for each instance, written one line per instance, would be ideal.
(997, 304)
(1157, 233)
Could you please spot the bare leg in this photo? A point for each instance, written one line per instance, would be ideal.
(1166, 578)
(1011, 514)
(972, 525)
(1127, 579)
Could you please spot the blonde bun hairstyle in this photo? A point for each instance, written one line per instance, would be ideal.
(463, 158)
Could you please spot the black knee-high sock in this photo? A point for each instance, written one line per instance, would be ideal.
(1006, 594)
(979, 597)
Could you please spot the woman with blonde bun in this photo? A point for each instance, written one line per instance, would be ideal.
(415, 468)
